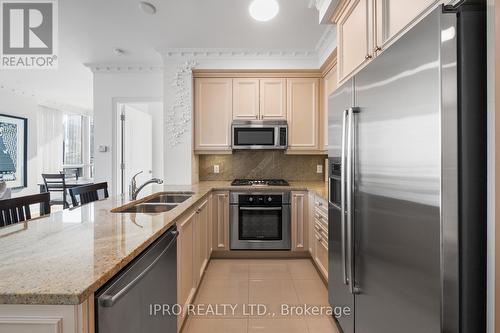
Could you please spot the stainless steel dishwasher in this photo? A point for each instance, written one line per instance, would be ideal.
(126, 303)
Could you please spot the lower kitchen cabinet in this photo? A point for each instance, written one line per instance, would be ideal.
(300, 218)
(185, 262)
(318, 236)
(193, 253)
(220, 221)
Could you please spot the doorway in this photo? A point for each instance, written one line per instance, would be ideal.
(139, 140)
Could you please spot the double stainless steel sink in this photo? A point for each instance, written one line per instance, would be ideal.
(163, 202)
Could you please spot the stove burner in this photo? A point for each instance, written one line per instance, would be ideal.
(259, 182)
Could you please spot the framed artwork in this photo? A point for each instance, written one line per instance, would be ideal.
(14, 150)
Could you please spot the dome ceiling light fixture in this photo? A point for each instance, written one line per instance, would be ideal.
(264, 10)
(147, 7)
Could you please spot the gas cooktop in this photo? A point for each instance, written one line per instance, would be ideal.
(259, 182)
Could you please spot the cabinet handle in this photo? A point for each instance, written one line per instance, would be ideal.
(368, 57)
(377, 48)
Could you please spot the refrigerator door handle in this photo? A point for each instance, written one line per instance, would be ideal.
(345, 115)
(350, 166)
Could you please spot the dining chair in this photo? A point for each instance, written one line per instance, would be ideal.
(56, 183)
(16, 210)
(85, 194)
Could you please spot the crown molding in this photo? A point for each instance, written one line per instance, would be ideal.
(132, 68)
(327, 44)
(218, 53)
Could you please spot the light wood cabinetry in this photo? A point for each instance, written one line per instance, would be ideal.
(394, 16)
(303, 114)
(273, 99)
(193, 250)
(355, 37)
(185, 262)
(23, 318)
(220, 221)
(300, 219)
(213, 109)
(246, 102)
(201, 240)
(366, 27)
(328, 87)
(259, 99)
(319, 234)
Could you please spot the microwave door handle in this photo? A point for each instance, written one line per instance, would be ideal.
(276, 137)
(261, 208)
(342, 196)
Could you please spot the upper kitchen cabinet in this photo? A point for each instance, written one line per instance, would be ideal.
(355, 37)
(366, 27)
(273, 99)
(259, 99)
(213, 109)
(246, 99)
(303, 114)
(394, 16)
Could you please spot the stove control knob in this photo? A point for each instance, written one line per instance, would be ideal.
(269, 199)
(250, 199)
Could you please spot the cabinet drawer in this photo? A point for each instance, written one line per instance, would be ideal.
(321, 206)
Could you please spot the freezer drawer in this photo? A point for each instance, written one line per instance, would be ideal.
(124, 305)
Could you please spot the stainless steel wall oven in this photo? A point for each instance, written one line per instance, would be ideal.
(260, 221)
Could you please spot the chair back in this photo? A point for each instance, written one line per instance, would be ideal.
(85, 194)
(16, 210)
(54, 182)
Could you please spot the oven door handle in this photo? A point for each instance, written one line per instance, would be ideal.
(261, 208)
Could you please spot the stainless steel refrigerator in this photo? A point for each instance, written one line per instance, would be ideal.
(407, 154)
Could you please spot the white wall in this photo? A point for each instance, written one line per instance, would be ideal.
(26, 107)
(110, 88)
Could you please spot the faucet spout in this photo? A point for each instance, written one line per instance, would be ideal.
(134, 190)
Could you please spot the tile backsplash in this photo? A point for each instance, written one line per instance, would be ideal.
(261, 164)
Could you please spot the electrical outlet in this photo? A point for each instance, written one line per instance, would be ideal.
(216, 168)
(319, 168)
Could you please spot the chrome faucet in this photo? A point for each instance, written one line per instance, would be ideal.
(134, 190)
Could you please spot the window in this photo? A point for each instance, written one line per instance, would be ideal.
(72, 141)
(77, 143)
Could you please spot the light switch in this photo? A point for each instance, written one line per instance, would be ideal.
(102, 148)
(216, 168)
(319, 168)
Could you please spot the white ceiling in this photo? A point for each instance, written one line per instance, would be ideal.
(90, 29)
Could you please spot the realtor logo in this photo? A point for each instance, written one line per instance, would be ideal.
(29, 34)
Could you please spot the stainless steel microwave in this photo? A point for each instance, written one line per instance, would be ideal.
(259, 134)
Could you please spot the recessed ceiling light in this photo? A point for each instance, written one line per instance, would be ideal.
(147, 7)
(264, 10)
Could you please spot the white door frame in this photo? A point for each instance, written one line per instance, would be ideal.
(115, 177)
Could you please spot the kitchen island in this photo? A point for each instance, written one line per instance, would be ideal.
(59, 261)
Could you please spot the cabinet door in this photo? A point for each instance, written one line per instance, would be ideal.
(355, 37)
(329, 86)
(213, 104)
(303, 113)
(246, 99)
(393, 16)
(273, 99)
(185, 261)
(300, 215)
(202, 238)
(220, 221)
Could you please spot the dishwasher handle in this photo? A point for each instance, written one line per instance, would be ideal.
(108, 301)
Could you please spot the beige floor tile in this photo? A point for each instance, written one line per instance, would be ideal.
(227, 269)
(311, 292)
(302, 269)
(199, 325)
(277, 326)
(322, 325)
(269, 269)
(272, 294)
(223, 291)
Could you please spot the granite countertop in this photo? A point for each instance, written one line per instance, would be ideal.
(65, 257)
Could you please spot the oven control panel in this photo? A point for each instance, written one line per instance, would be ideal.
(260, 199)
